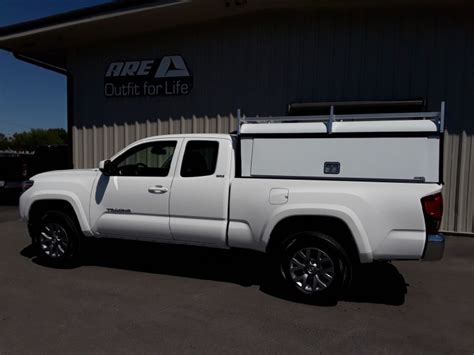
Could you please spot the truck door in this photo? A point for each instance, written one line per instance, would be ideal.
(134, 201)
(200, 192)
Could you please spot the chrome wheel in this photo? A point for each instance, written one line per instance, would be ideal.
(53, 240)
(311, 269)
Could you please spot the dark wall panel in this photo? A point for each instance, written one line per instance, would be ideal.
(264, 62)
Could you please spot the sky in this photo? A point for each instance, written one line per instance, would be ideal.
(32, 97)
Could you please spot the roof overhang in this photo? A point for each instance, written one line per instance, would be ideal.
(47, 42)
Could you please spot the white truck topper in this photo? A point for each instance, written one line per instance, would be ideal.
(401, 147)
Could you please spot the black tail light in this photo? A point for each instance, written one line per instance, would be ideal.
(433, 211)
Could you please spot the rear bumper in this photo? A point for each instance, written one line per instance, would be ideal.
(434, 248)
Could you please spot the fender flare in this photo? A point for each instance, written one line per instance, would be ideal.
(69, 197)
(340, 212)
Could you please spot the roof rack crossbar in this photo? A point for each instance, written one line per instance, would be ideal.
(437, 117)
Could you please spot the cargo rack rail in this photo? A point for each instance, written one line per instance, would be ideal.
(436, 116)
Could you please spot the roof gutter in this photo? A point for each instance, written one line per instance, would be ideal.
(76, 18)
(40, 63)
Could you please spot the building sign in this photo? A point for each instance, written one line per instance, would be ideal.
(167, 76)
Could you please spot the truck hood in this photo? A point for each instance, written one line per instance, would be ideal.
(67, 175)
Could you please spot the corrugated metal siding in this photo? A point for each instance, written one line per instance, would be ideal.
(459, 179)
(262, 63)
(96, 143)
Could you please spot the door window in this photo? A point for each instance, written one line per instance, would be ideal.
(149, 159)
(200, 158)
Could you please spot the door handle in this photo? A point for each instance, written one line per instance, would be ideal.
(158, 189)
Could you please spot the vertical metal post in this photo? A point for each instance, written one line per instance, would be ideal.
(331, 120)
(238, 121)
(441, 116)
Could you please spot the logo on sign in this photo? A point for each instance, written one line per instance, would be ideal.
(166, 76)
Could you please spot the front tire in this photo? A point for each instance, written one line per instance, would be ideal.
(56, 238)
(315, 267)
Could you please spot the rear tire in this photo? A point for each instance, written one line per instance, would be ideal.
(315, 267)
(56, 238)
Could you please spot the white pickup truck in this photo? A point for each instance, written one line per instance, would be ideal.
(321, 194)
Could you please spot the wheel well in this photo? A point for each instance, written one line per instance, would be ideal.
(332, 226)
(41, 206)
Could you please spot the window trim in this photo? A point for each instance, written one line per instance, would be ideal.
(184, 154)
(137, 148)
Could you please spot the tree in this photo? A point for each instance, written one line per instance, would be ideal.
(3, 142)
(28, 141)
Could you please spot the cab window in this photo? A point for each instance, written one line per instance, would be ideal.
(149, 159)
(200, 158)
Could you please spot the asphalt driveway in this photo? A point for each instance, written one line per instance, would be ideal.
(148, 298)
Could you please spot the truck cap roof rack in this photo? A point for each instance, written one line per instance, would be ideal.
(436, 116)
(352, 107)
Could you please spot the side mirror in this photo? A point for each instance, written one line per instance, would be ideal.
(106, 167)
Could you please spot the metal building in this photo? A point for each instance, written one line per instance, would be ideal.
(140, 68)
